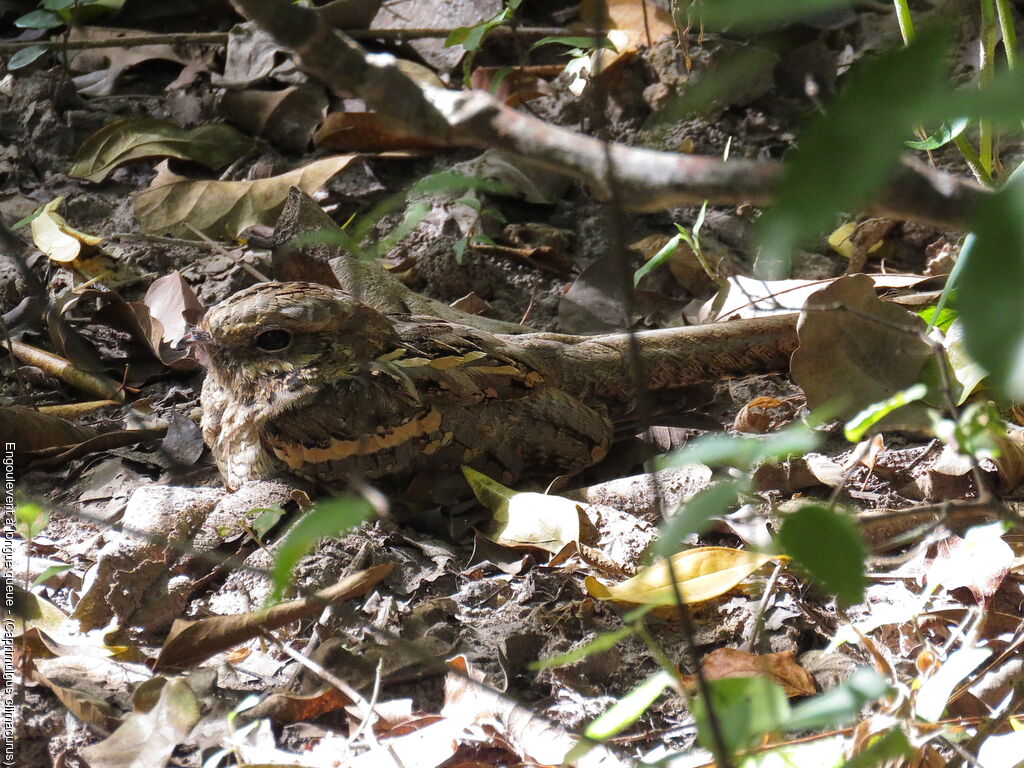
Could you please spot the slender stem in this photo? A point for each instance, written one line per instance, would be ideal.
(989, 35)
(973, 161)
(906, 22)
(1009, 32)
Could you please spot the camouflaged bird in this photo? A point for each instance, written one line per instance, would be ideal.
(305, 381)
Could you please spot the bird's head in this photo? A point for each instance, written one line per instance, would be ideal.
(283, 335)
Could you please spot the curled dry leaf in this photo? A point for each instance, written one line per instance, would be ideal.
(172, 308)
(365, 132)
(781, 668)
(101, 67)
(286, 118)
(56, 238)
(123, 141)
(173, 203)
(764, 414)
(701, 574)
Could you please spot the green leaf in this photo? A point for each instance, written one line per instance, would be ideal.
(827, 545)
(938, 318)
(603, 642)
(30, 520)
(743, 452)
(583, 42)
(456, 36)
(459, 247)
(414, 214)
(26, 56)
(839, 706)
(745, 707)
(327, 518)
(663, 255)
(49, 573)
(859, 425)
(39, 19)
(757, 14)
(989, 288)
(694, 515)
(266, 518)
(946, 133)
(891, 748)
(846, 154)
(630, 707)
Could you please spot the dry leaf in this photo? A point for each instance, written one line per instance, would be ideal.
(56, 238)
(763, 414)
(32, 430)
(365, 132)
(702, 574)
(852, 359)
(147, 737)
(123, 141)
(781, 668)
(286, 118)
(224, 208)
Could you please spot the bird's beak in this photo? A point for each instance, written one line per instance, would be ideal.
(196, 335)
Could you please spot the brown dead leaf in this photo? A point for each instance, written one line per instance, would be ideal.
(763, 414)
(286, 118)
(519, 85)
(148, 737)
(63, 369)
(101, 67)
(192, 642)
(32, 430)
(701, 574)
(634, 18)
(173, 203)
(852, 359)
(781, 668)
(365, 132)
(173, 308)
(978, 562)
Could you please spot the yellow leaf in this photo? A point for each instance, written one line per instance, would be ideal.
(702, 574)
(55, 237)
(522, 519)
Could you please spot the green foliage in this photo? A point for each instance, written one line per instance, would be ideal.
(860, 424)
(744, 453)
(690, 237)
(327, 518)
(696, 514)
(825, 543)
(30, 520)
(745, 708)
(858, 141)
(627, 710)
(471, 38)
(840, 705)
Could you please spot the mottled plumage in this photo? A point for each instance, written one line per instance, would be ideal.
(306, 381)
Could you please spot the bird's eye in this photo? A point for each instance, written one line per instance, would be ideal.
(273, 341)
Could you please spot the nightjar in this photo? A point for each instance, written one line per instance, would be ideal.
(305, 381)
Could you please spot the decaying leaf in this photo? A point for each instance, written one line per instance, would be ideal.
(215, 146)
(286, 117)
(701, 574)
(32, 430)
(224, 208)
(101, 67)
(149, 736)
(782, 668)
(855, 349)
(56, 238)
(365, 132)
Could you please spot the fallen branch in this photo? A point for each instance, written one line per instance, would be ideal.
(647, 180)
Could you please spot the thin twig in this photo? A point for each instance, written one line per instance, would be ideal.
(220, 38)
